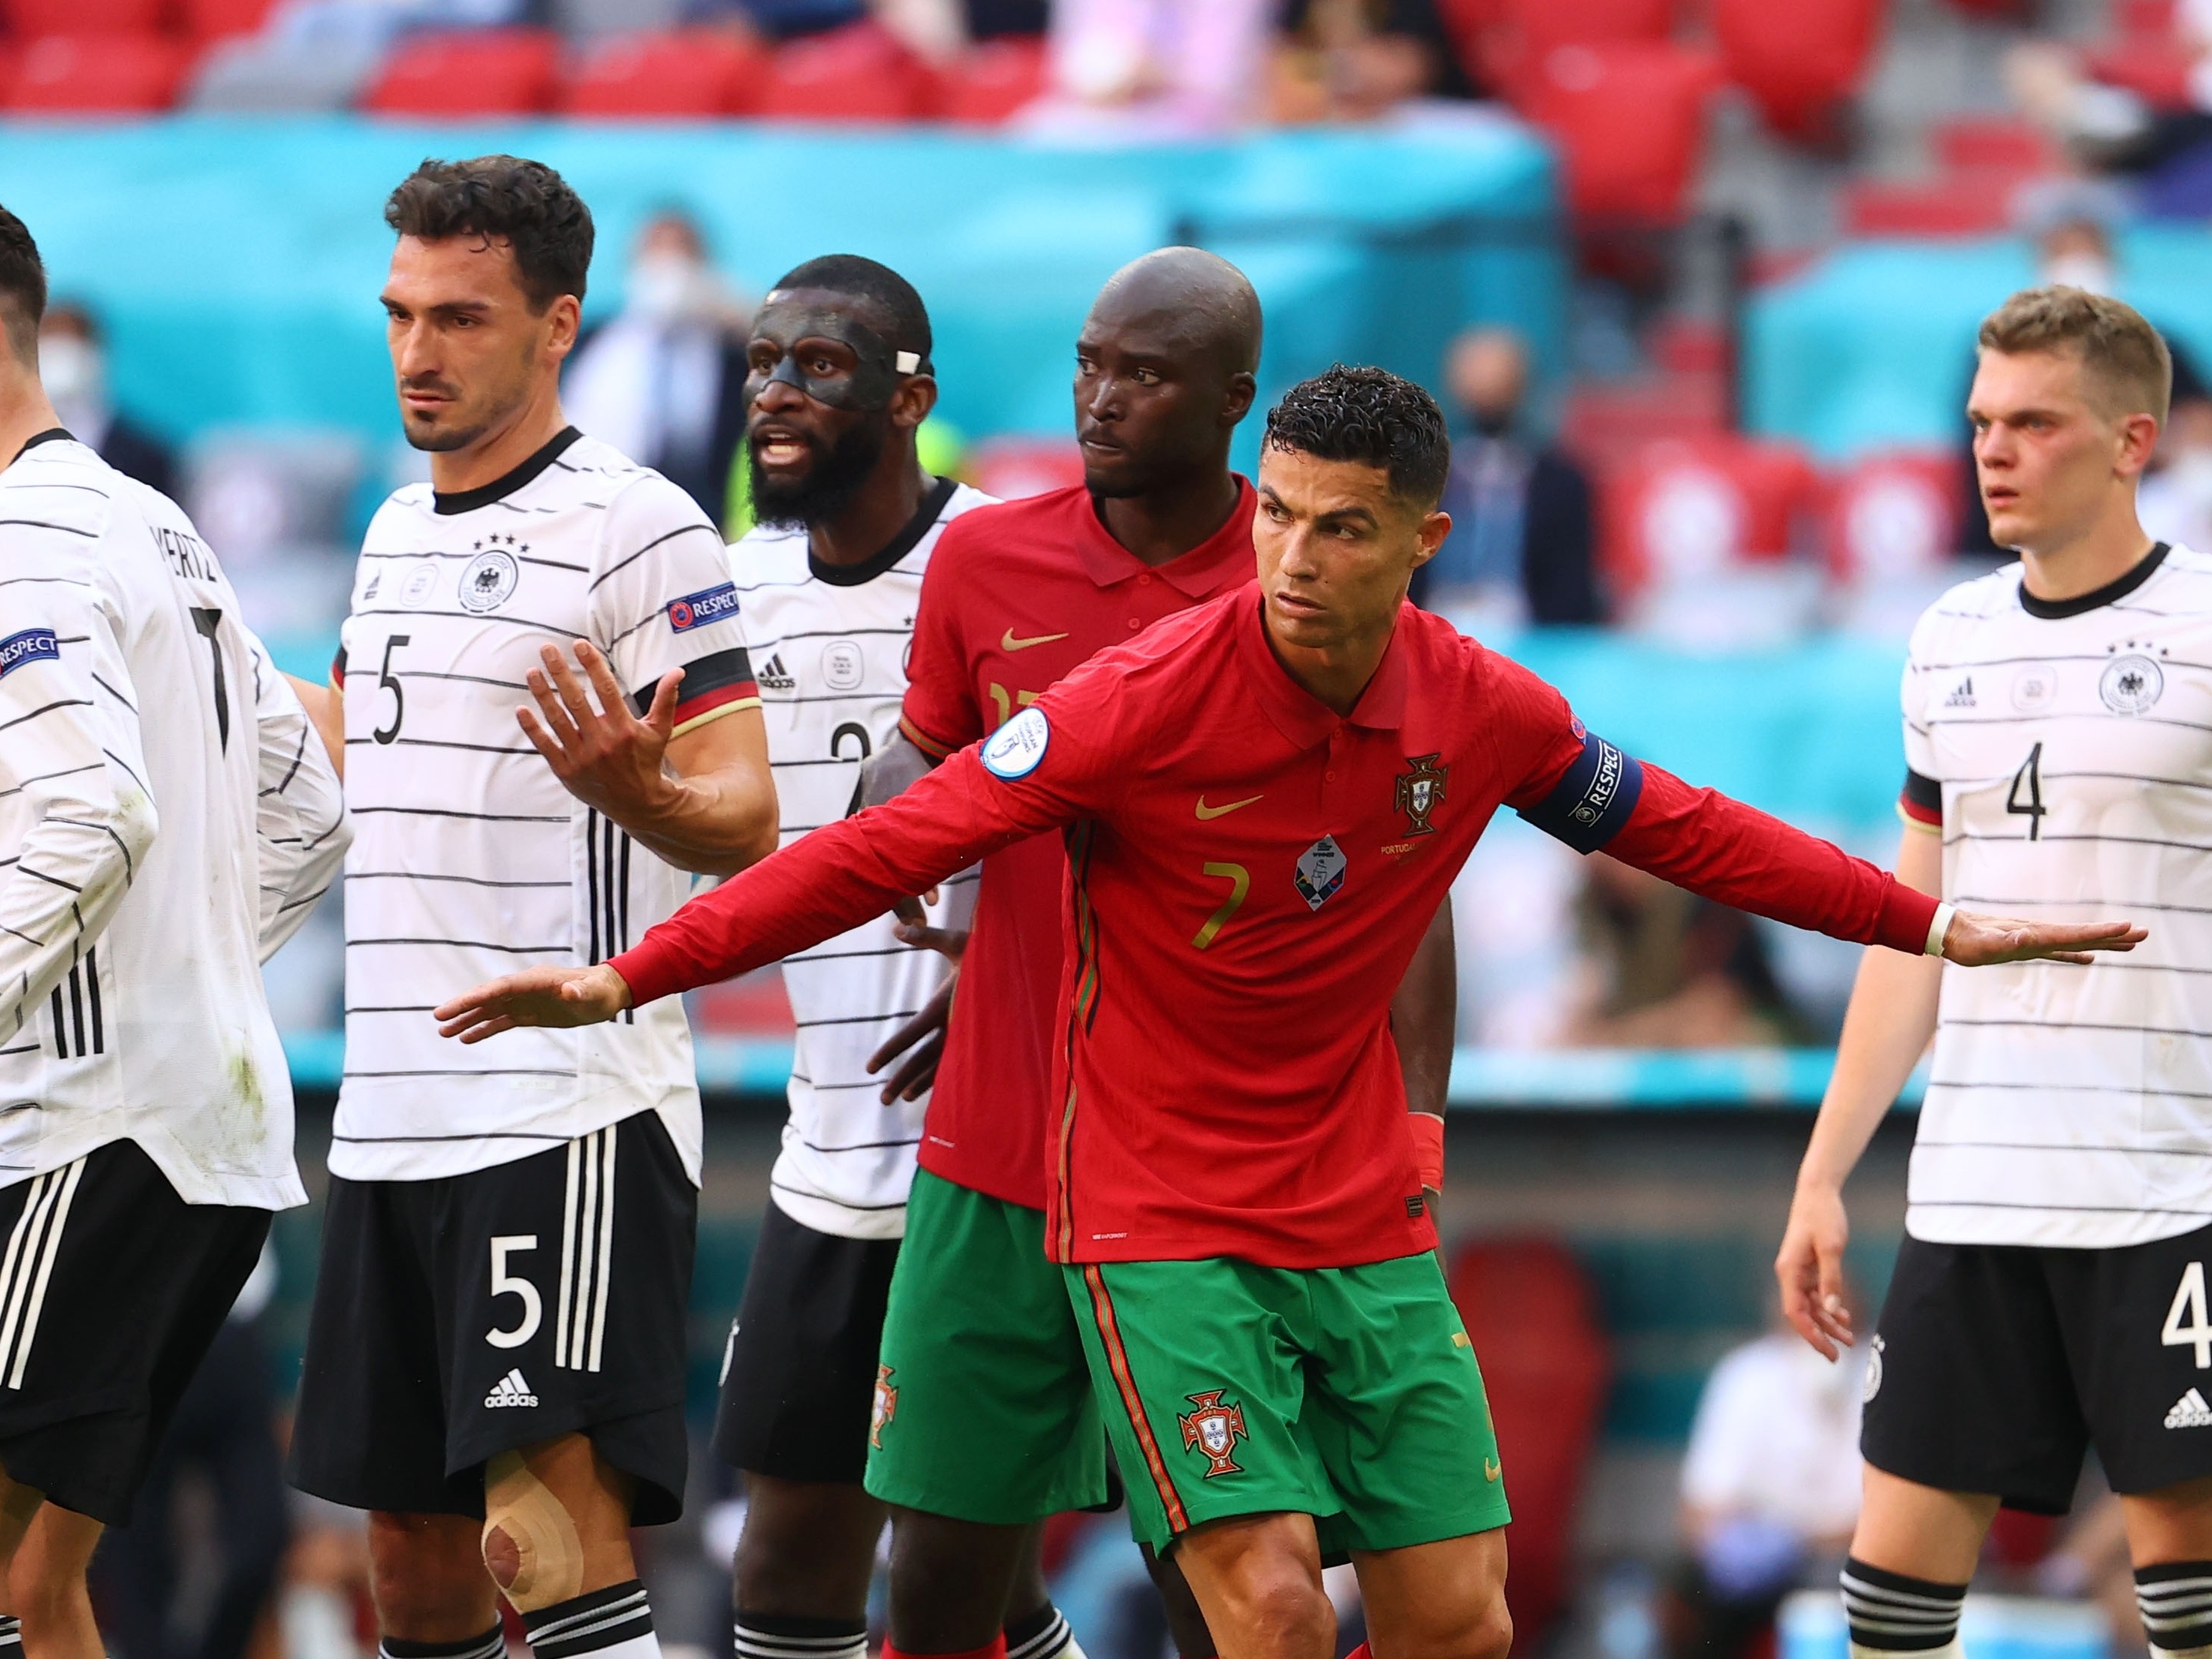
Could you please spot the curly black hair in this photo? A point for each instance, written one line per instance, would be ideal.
(1369, 416)
(861, 279)
(522, 203)
(22, 287)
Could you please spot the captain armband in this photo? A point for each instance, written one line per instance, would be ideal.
(1920, 803)
(1593, 803)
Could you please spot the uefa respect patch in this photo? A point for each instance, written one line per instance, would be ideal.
(711, 605)
(32, 645)
(1016, 749)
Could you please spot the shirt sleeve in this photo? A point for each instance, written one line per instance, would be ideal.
(1058, 761)
(72, 774)
(300, 822)
(940, 714)
(661, 598)
(1583, 791)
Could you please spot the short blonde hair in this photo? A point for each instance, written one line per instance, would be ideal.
(2123, 353)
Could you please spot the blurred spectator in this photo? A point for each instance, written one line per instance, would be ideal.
(664, 379)
(1675, 971)
(74, 365)
(2111, 128)
(1770, 1489)
(1353, 60)
(1520, 547)
(225, 1437)
(2175, 502)
(1153, 68)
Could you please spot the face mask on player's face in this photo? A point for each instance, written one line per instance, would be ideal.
(825, 355)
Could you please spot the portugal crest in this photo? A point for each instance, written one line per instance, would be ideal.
(885, 1408)
(1214, 1427)
(1420, 789)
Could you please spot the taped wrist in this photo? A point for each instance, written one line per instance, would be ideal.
(1892, 1613)
(2176, 1601)
(1426, 1131)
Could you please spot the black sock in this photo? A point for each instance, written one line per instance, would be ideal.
(491, 1644)
(2176, 1599)
(792, 1636)
(1892, 1613)
(11, 1634)
(1038, 1635)
(585, 1624)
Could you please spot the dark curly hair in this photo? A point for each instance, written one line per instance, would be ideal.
(1369, 416)
(864, 279)
(22, 287)
(522, 203)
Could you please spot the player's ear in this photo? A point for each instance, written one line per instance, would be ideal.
(1243, 390)
(1435, 527)
(915, 397)
(563, 318)
(2138, 439)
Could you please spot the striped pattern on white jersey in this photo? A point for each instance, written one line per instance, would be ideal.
(587, 1253)
(2071, 1106)
(830, 648)
(166, 819)
(33, 1244)
(469, 858)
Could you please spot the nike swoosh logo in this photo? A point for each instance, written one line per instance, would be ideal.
(1205, 812)
(1008, 642)
(1490, 1469)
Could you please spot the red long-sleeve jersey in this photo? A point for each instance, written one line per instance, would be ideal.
(1249, 877)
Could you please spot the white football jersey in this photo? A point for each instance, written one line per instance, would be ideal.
(469, 859)
(168, 818)
(2072, 745)
(829, 646)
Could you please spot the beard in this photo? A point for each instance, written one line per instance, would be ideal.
(827, 488)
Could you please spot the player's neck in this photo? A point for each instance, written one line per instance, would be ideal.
(1334, 676)
(2112, 547)
(25, 410)
(884, 506)
(1166, 522)
(497, 454)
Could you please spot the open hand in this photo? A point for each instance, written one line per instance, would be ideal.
(1979, 941)
(552, 995)
(1809, 1268)
(606, 757)
(921, 1039)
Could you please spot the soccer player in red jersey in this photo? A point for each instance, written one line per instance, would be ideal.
(1265, 799)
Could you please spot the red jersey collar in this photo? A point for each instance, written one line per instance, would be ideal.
(1297, 713)
(1196, 574)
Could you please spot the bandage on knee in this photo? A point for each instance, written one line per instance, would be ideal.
(530, 1546)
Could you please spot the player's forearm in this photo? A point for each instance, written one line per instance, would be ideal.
(1723, 850)
(1425, 1017)
(893, 770)
(326, 709)
(714, 825)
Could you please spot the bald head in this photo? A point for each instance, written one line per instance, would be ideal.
(1193, 300)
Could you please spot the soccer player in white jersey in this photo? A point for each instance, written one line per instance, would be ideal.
(167, 818)
(2050, 1294)
(495, 1362)
(840, 378)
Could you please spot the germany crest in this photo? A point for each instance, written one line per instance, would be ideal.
(884, 1409)
(1420, 789)
(1214, 1428)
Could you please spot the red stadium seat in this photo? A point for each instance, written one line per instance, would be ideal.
(2156, 70)
(1967, 204)
(33, 18)
(1978, 143)
(1690, 509)
(114, 74)
(1894, 516)
(1525, 33)
(2144, 19)
(1631, 119)
(990, 81)
(213, 20)
(1532, 1317)
(1607, 425)
(858, 73)
(698, 72)
(482, 72)
(1796, 61)
(1011, 468)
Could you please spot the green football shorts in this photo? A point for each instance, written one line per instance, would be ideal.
(1348, 1394)
(984, 1408)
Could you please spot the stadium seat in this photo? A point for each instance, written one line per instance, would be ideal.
(1796, 61)
(1966, 205)
(1523, 34)
(858, 73)
(1011, 468)
(32, 18)
(1607, 424)
(1979, 144)
(115, 73)
(215, 20)
(698, 72)
(1687, 509)
(1894, 516)
(2156, 70)
(991, 80)
(1630, 118)
(483, 72)
(1532, 1317)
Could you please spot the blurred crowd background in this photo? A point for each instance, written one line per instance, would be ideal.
(1696, 281)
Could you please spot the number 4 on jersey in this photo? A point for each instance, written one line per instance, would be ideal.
(2033, 809)
(2189, 1299)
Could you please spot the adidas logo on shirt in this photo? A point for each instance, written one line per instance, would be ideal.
(2190, 1412)
(774, 677)
(1962, 695)
(512, 1391)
